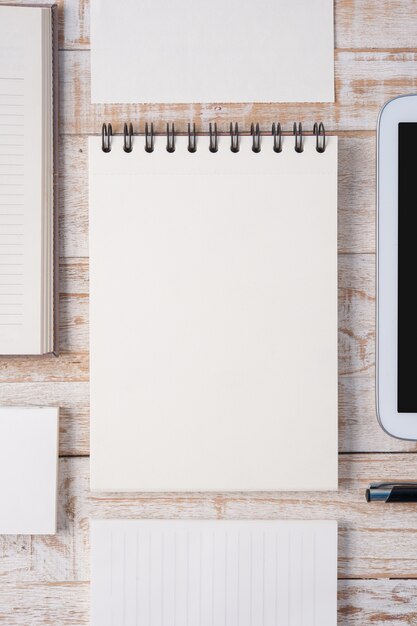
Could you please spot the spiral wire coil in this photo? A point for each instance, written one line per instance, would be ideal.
(255, 132)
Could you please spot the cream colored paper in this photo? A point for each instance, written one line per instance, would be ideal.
(213, 573)
(213, 317)
(217, 51)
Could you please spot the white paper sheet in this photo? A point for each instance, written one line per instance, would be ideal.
(212, 573)
(217, 51)
(213, 317)
(28, 470)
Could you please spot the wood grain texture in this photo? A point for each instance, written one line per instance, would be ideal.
(359, 430)
(45, 604)
(365, 79)
(45, 579)
(375, 24)
(375, 541)
(375, 602)
(67, 368)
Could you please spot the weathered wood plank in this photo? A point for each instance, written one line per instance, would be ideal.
(375, 23)
(377, 602)
(70, 367)
(359, 430)
(356, 313)
(356, 195)
(74, 24)
(73, 324)
(73, 276)
(375, 540)
(364, 81)
(356, 189)
(360, 602)
(73, 197)
(45, 604)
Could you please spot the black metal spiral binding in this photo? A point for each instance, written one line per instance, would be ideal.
(170, 138)
(298, 136)
(256, 138)
(106, 135)
(149, 138)
(320, 133)
(234, 138)
(214, 142)
(277, 135)
(255, 132)
(192, 139)
(128, 138)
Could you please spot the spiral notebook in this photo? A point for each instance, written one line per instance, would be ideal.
(213, 311)
(213, 573)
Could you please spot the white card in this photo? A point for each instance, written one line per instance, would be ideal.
(217, 51)
(213, 573)
(28, 470)
(213, 317)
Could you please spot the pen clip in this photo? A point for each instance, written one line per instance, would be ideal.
(391, 485)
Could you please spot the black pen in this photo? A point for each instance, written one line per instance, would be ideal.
(392, 492)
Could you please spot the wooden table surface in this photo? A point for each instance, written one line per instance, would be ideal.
(45, 580)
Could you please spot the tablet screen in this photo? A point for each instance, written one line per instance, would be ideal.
(407, 268)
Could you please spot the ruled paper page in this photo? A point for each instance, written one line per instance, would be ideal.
(20, 179)
(213, 573)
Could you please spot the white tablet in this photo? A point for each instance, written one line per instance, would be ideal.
(396, 387)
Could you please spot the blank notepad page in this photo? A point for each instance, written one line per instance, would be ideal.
(217, 51)
(213, 317)
(213, 573)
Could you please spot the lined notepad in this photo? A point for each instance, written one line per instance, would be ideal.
(213, 573)
(26, 180)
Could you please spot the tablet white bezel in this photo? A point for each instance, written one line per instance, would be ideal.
(401, 109)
